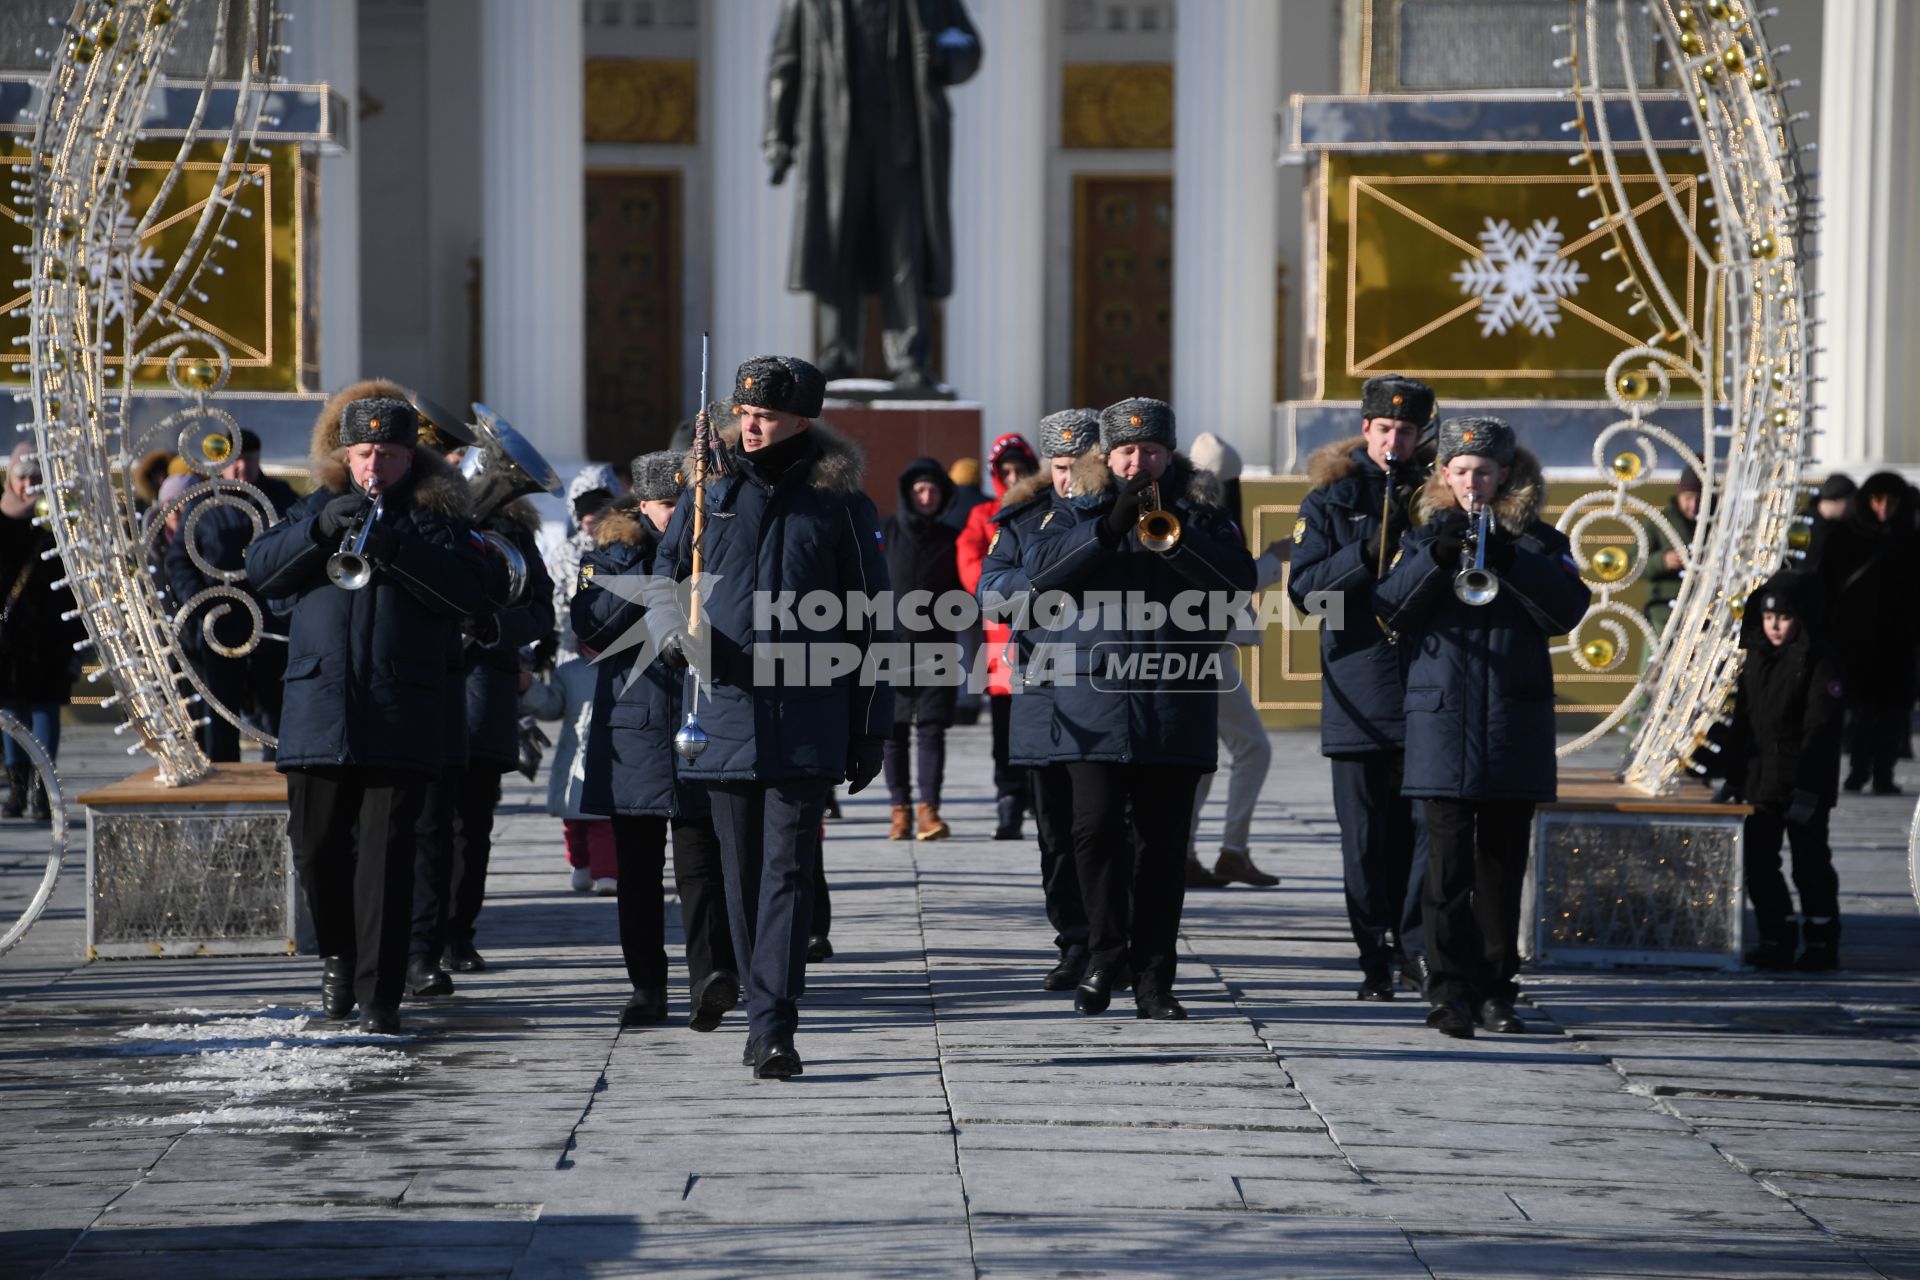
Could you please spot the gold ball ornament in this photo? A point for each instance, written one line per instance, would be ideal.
(1778, 378)
(1764, 247)
(1701, 102)
(1738, 606)
(1627, 465)
(1720, 10)
(1690, 43)
(84, 49)
(67, 228)
(1782, 418)
(56, 270)
(1759, 78)
(215, 446)
(1710, 72)
(42, 507)
(200, 374)
(1799, 535)
(1634, 385)
(160, 14)
(106, 33)
(1686, 17)
(1735, 56)
(1610, 564)
(1599, 651)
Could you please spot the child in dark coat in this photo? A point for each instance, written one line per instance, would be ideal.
(1786, 763)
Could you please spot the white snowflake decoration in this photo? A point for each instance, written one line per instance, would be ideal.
(117, 266)
(1520, 278)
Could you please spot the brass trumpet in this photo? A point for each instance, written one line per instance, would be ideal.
(1159, 528)
(348, 568)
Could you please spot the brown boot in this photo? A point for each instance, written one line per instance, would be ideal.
(1237, 864)
(931, 828)
(1198, 877)
(902, 823)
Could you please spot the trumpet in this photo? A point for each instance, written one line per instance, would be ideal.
(1476, 584)
(348, 568)
(1159, 528)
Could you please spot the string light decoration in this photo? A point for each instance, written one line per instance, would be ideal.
(103, 73)
(1745, 356)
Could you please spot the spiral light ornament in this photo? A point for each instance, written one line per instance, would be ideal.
(1744, 354)
(105, 70)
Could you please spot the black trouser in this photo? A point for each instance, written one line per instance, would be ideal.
(822, 921)
(1144, 867)
(881, 219)
(359, 888)
(1876, 731)
(640, 842)
(1476, 863)
(266, 674)
(1813, 873)
(1383, 858)
(929, 759)
(226, 679)
(770, 848)
(1059, 875)
(1007, 780)
(453, 847)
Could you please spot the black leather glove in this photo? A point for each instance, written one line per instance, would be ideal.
(1126, 508)
(1801, 806)
(1389, 536)
(673, 650)
(864, 757)
(383, 542)
(1451, 535)
(484, 629)
(1500, 546)
(338, 515)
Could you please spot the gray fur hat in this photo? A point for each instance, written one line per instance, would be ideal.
(785, 384)
(1136, 420)
(1393, 396)
(1481, 437)
(1069, 433)
(379, 420)
(657, 476)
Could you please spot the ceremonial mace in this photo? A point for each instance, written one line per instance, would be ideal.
(691, 740)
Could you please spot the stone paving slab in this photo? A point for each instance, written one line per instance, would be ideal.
(185, 1118)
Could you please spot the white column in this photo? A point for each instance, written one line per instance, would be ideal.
(1870, 268)
(533, 222)
(996, 318)
(1226, 74)
(753, 314)
(324, 48)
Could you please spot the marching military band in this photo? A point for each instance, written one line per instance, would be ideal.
(1112, 581)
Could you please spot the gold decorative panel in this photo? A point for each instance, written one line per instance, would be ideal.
(1117, 106)
(643, 100)
(1482, 273)
(254, 307)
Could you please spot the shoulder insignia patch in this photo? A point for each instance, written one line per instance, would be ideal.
(1393, 563)
(1300, 529)
(993, 542)
(1048, 518)
(586, 576)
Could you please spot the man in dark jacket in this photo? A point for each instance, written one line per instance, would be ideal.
(220, 532)
(1480, 732)
(1785, 749)
(633, 774)
(788, 518)
(1669, 566)
(921, 558)
(1869, 563)
(1138, 724)
(1349, 523)
(366, 683)
(857, 99)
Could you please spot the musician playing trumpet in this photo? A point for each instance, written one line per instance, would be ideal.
(361, 728)
(1473, 603)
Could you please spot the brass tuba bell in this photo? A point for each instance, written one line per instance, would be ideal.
(1159, 528)
(500, 466)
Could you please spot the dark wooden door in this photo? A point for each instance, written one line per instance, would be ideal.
(1122, 287)
(633, 311)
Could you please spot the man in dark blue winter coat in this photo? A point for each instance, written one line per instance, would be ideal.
(1357, 509)
(1064, 436)
(787, 700)
(366, 684)
(1480, 731)
(922, 562)
(1137, 724)
(632, 773)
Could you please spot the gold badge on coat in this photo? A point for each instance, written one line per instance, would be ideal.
(1300, 529)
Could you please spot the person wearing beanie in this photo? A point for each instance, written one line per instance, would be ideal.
(1349, 524)
(795, 520)
(363, 724)
(921, 557)
(1005, 596)
(1479, 705)
(1867, 563)
(1140, 729)
(1783, 758)
(37, 659)
(633, 775)
(1669, 566)
(965, 474)
(1011, 461)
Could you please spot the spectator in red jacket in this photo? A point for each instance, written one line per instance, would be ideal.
(1011, 460)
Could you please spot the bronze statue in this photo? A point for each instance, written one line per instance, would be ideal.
(857, 99)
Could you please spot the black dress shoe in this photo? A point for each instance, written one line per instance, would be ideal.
(1096, 989)
(748, 1050)
(336, 986)
(1375, 989)
(1009, 828)
(462, 958)
(1879, 789)
(1854, 781)
(1496, 1014)
(1066, 975)
(377, 1021)
(1414, 974)
(646, 1005)
(716, 993)
(1158, 1004)
(426, 979)
(1452, 1019)
(819, 949)
(775, 1058)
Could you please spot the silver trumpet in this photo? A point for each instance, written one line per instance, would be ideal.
(348, 568)
(1476, 584)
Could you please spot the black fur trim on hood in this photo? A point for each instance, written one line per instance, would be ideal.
(1516, 506)
(624, 523)
(1182, 479)
(839, 468)
(1332, 463)
(521, 512)
(1025, 491)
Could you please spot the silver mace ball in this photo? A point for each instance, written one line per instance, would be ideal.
(691, 740)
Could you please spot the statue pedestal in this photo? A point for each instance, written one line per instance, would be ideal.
(895, 432)
(1623, 878)
(199, 870)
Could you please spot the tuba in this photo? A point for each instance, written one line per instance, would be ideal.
(1476, 584)
(500, 466)
(1159, 528)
